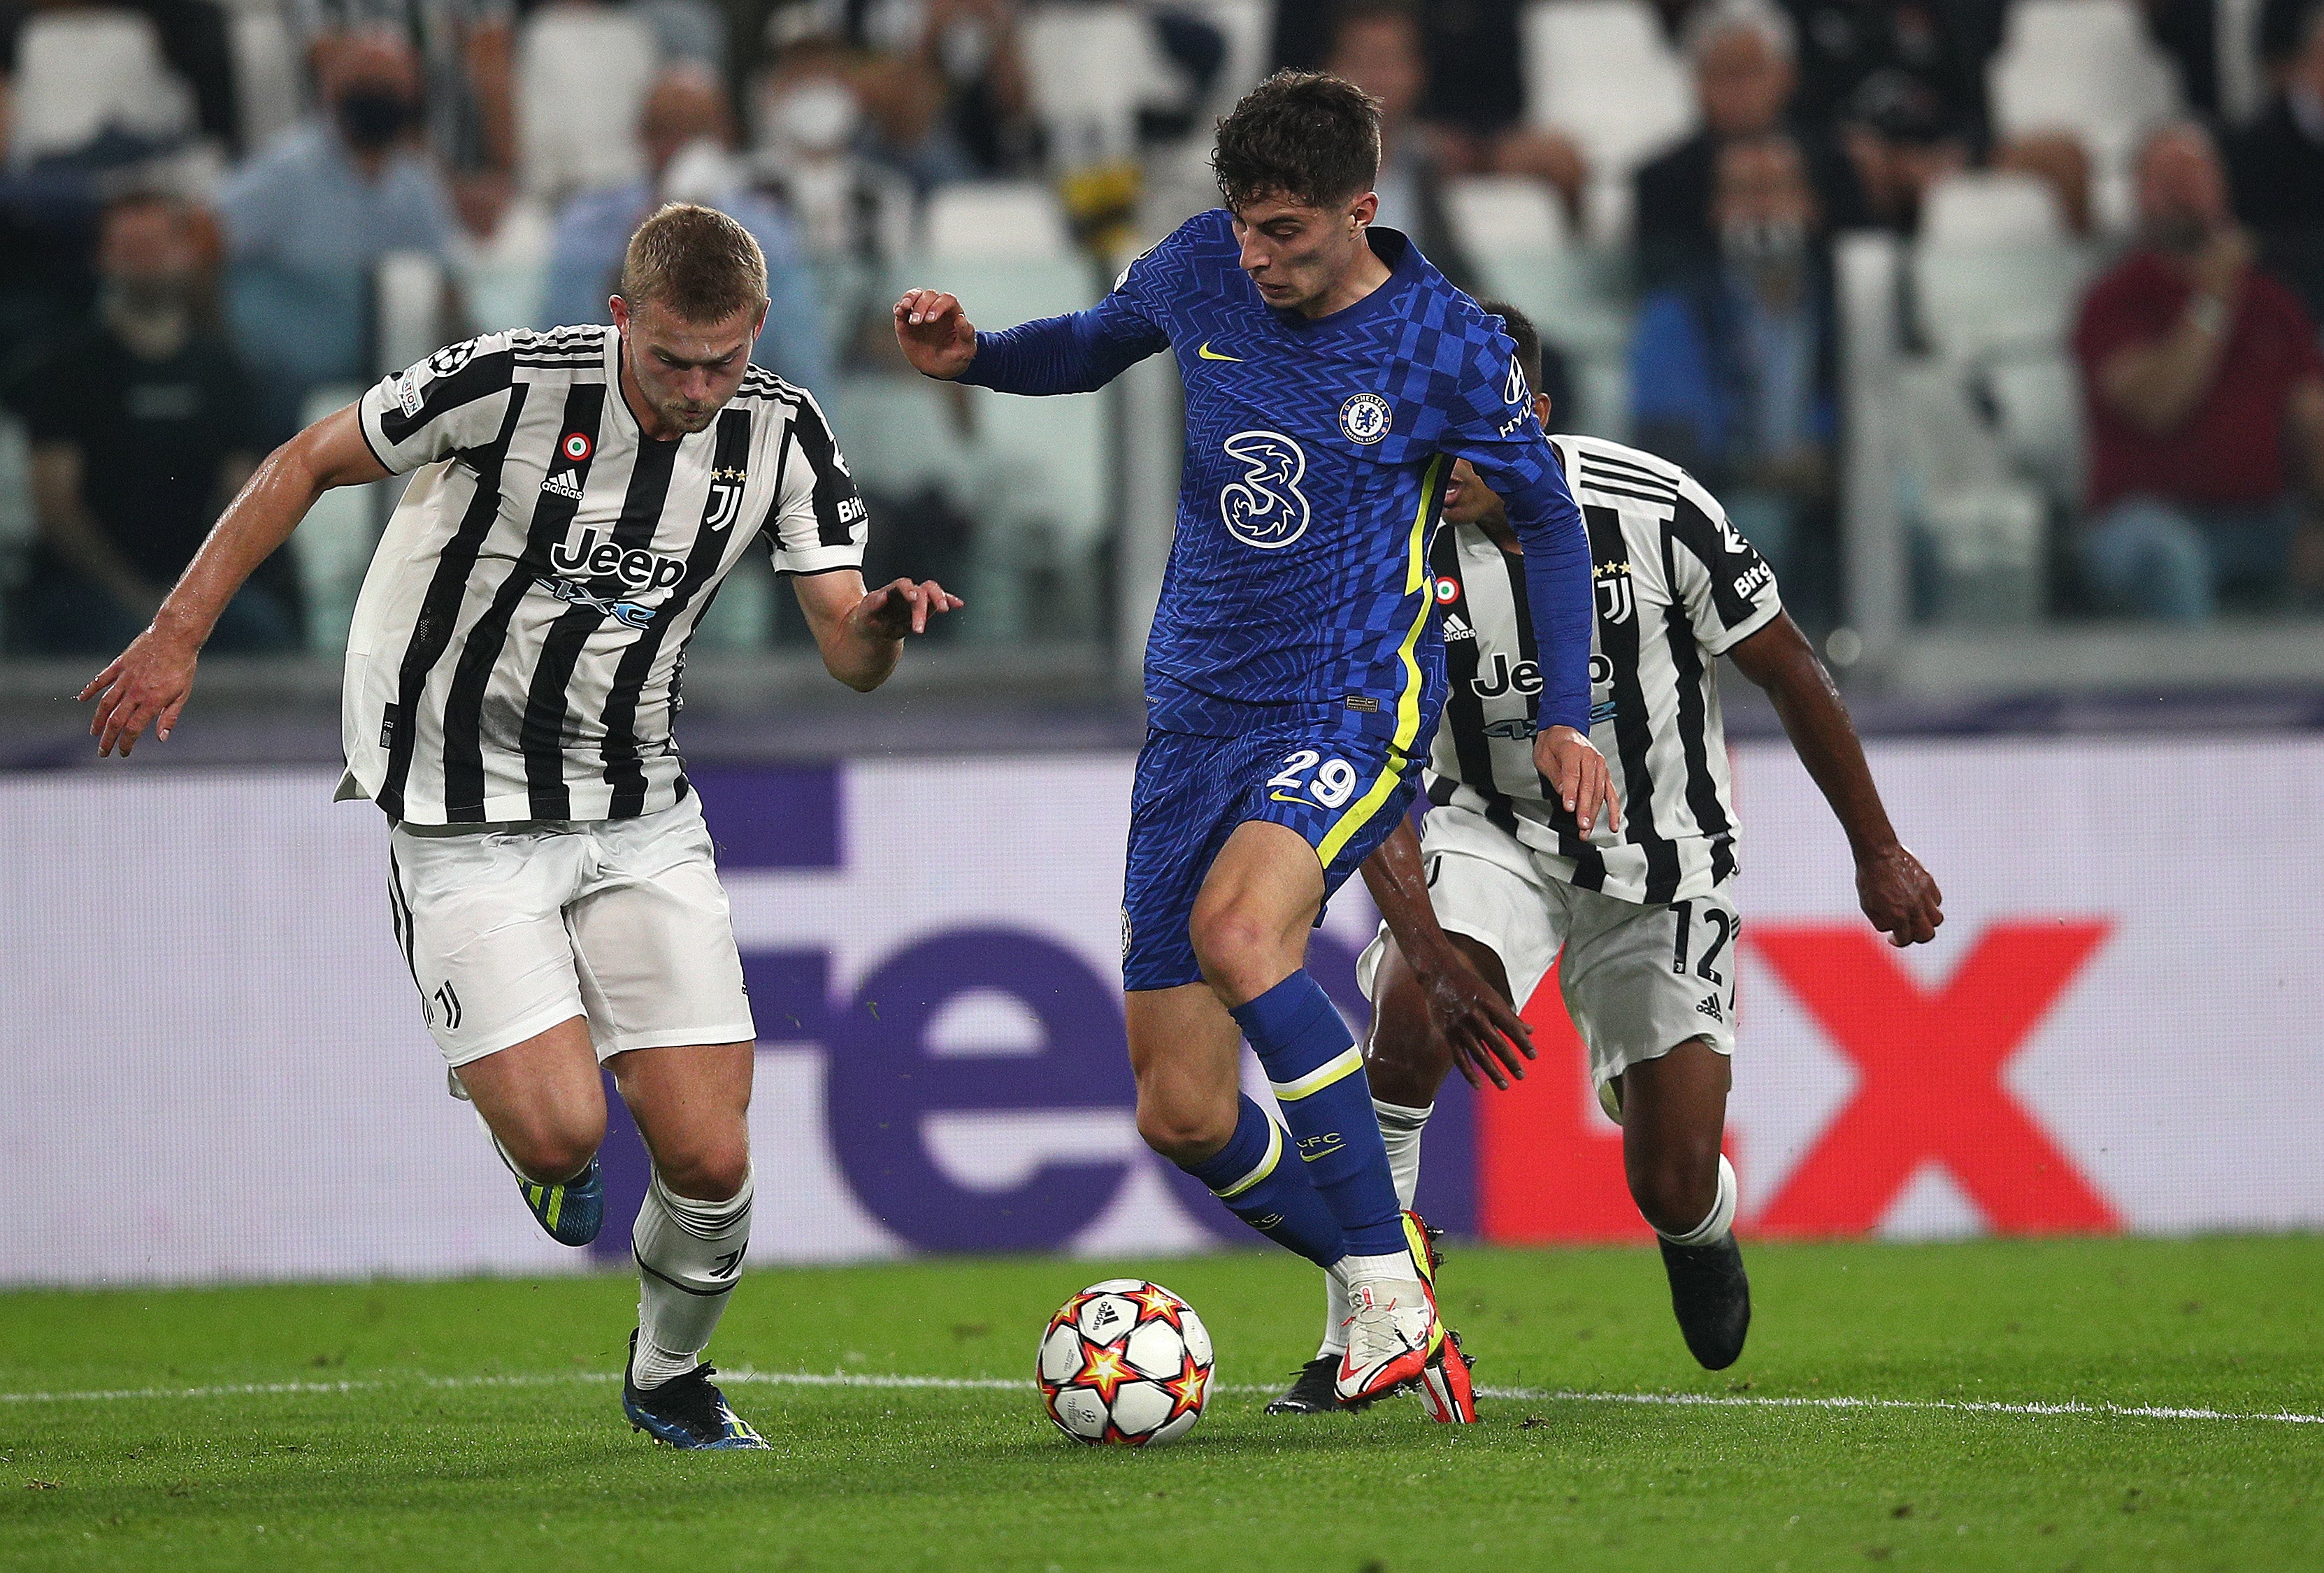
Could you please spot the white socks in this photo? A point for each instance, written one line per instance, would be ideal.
(1400, 1128)
(1722, 1211)
(688, 1255)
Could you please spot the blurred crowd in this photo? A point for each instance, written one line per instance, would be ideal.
(196, 197)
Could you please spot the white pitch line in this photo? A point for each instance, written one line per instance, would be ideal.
(1011, 1385)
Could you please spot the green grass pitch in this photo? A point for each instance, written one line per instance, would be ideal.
(472, 1424)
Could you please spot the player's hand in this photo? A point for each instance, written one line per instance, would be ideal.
(148, 683)
(1573, 765)
(893, 611)
(935, 334)
(1486, 1035)
(1899, 896)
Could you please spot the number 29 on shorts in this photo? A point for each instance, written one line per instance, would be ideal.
(1329, 783)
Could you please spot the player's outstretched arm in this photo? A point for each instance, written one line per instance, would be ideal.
(1898, 894)
(860, 632)
(1484, 1032)
(1077, 352)
(149, 682)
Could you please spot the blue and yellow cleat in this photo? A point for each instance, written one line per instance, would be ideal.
(572, 1212)
(685, 1411)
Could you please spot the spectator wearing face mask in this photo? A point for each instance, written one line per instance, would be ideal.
(1731, 368)
(464, 50)
(2205, 391)
(1743, 52)
(139, 428)
(689, 141)
(844, 207)
(308, 220)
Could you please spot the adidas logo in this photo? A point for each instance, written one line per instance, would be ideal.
(1455, 631)
(1709, 1007)
(563, 484)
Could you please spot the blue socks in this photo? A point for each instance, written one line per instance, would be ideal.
(1251, 1175)
(1318, 1075)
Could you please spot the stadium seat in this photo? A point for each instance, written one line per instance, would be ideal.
(503, 278)
(80, 71)
(1991, 207)
(2037, 405)
(1505, 214)
(408, 309)
(2087, 66)
(20, 530)
(900, 435)
(1038, 469)
(1514, 230)
(1601, 71)
(1248, 26)
(996, 221)
(1976, 301)
(581, 74)
(1983, 530)
(337, 538)
(267, 74)
(1091, 68)
(2243, 79)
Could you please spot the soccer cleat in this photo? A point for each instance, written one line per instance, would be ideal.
(1423, 1242)
(1313, 1392)
(572, 1212)
(1446, 1391)
(685, 1411)
(1392, 1329)
(1711, 1295)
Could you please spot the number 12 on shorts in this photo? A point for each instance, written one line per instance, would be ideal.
(1328, 782)
(1713, 916)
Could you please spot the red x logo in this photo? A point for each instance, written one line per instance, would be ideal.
(1930, 1090)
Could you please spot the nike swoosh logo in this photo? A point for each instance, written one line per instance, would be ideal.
(1281, 797)
(1208, 353)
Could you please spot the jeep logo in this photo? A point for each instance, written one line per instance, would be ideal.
(637, 569)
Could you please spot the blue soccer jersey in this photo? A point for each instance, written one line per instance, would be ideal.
(1317, 450)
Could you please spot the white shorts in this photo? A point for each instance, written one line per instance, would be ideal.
(1638, 980)
(510, 930)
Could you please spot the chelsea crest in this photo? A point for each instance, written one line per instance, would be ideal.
(1365, 417)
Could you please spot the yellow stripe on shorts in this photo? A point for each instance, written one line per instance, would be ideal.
(1345, 1063)
(1266, 1166)
(1407, 703)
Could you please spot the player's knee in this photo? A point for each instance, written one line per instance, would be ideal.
(1183, 1134)
(553, 1150)
(711, 1171)
(1676, 1192)
(1236, 949)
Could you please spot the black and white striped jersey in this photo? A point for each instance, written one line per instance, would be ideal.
(1676, 587)
(516, 648)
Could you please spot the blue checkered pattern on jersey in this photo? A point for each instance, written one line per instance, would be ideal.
(1316, 451)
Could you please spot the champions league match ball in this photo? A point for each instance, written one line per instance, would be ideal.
(1125, 1363)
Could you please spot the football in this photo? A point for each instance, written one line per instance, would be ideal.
(1125, 1363)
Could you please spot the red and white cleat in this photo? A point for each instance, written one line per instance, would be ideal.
(1446, 1391)
(1390, 1331)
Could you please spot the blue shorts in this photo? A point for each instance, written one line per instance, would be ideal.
(1342, 795)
